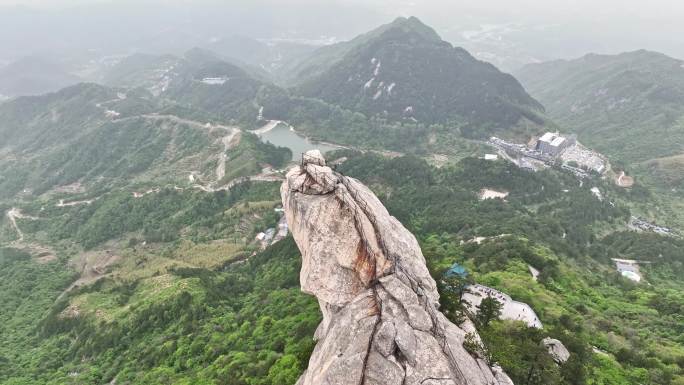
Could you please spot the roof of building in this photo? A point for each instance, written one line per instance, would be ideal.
(456, 269)
(552, 138)
(621, 266)
(558, 141)
(548, 137)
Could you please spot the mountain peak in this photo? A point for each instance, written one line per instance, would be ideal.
(201, 55)
(412, 25)
(403, 71)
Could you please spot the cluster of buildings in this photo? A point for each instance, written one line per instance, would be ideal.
(273, 235)
(584, 157)
(552, 149)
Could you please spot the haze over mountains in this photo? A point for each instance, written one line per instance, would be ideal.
(34, 75)
(403, 80)
(152, 234)
(423, 81)
(508, 34)
(397, 75)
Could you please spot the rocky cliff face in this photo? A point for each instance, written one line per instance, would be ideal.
(380, 319)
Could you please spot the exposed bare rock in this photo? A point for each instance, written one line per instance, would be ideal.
(380, 322)
(556, 349)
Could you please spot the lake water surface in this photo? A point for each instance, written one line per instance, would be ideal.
(281, 135)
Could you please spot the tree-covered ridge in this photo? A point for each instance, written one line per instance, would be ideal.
(405, 71)
(91, 134)
(176, 286)
(423, 82)
(180, 91)
(537, 205)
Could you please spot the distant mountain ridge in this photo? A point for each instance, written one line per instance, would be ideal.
(404, 70)
(186, 82)
(659, 77)
(395, 87)
(34, 75)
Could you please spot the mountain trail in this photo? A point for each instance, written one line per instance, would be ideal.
(43, 254)
(13, 214)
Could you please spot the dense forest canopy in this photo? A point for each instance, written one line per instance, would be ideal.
(247, 323)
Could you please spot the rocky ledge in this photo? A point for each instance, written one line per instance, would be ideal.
(381, 324)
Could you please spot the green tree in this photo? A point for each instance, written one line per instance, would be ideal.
(456, 284)
(488, 310)
(285, 371)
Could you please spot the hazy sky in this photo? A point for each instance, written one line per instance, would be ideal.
(635, 9)
(506, 32)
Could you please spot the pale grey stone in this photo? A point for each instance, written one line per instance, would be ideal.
(381, 370)
(406, 340)
(384, 338)
(556, 349)
(381, 323)
(501, 377)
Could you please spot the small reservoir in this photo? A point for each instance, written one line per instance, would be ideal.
(281, 135)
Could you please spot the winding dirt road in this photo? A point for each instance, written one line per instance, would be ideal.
(13, 214)
(61, 203)
(223, 157)
(226, 140)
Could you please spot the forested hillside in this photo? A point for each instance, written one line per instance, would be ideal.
(628, 106)
(404, 70)
(172, 307)
(549, 222)
(91, 134)
(397, 87)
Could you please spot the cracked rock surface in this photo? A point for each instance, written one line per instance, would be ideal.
(381, 324)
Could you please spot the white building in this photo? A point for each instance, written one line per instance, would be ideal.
(628, 268)
(552, 143)
(215, 81)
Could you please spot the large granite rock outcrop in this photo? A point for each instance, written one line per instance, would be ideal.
(381, 323)
(556, 349)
